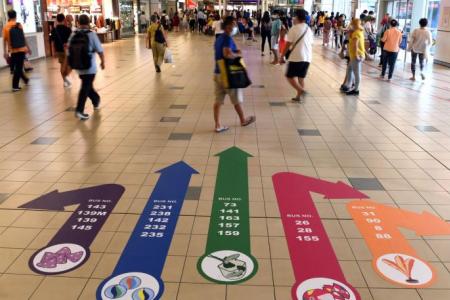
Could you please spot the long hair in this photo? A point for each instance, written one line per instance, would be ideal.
(356, 24)
(266, 17)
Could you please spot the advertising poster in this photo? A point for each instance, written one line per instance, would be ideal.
(25, 14)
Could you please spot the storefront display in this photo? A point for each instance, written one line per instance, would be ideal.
(126, 17)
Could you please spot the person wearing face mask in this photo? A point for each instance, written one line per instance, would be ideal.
(225, 48)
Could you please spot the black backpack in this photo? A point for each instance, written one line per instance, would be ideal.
(159, 36)
(17, 37)
(79, 53)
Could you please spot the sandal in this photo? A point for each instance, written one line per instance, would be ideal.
(221, 129)
(249, 121)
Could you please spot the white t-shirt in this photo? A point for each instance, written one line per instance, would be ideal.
(420, 40)
(217, 26)
(303, 50)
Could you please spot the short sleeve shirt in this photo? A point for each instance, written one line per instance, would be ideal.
(303, 50)
(392, 38)
(223, 41)
(60, 36)
(276, 26)
(6, 30)
(94, 47)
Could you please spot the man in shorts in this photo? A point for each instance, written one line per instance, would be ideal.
(60, 36)
(299, 41)
(225, 47)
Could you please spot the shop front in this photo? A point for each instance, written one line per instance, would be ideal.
(29, 15)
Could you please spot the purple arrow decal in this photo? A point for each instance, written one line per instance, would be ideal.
(69, 248)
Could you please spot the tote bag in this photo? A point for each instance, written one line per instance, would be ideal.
(233, 73)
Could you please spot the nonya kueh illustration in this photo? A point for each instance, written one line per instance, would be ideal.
(327, 292)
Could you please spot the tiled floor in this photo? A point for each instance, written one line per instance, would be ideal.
(392, 143)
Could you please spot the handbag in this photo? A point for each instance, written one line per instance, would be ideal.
(168, 59)
(233, 73)
(289, 51)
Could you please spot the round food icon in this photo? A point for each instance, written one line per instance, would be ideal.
(404, 269)
(321, 288)
(228, 266)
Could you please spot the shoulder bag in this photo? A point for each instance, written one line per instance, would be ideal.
(289, 51)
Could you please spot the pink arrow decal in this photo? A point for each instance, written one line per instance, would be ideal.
(317, 271)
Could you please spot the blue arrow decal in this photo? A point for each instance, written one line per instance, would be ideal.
(138, 273)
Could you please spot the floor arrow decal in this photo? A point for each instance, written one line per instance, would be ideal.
(227, 258)
(137, 274)
(393, 258)
(69, 248)
(316, 267)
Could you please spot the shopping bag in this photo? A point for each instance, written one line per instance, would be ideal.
(168, 59)
(233, 73)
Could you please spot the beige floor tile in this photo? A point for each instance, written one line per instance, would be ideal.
(53, 287)
(235, 292)
(15, 286)
(190, 291)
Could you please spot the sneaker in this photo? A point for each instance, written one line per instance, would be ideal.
(423, 76)
(81, 116)
(344, 89)
(158, 69)
(352, 93)
(17, 89)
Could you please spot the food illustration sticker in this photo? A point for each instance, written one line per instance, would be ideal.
(227, 265)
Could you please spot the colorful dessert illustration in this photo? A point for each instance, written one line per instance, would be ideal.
(129, 283)
(231, 267)
(50, 260)
(402, 265)
(327, 292)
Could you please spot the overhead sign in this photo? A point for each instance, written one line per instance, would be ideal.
(69, 248)
(137, 275)
(393, 257)
(316, 268)
(227, 258)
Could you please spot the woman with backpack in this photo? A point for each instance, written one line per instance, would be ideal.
(157, 41)
(266, 28)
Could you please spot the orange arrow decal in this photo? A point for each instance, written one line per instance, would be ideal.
(393, 258)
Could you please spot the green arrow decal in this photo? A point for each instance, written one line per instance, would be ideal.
(227, 257)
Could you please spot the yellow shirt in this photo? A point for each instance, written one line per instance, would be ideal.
(6, 29)
(360, 49)
(152, 30)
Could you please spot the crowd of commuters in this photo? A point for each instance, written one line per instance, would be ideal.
(289, 38)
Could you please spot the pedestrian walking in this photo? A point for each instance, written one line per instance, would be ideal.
(15, 48)
(157, 41)
(299, 51)
(83, 44)
(60, 36)
(266, 32)
(225, 48)
(419, 43)
(392, 39)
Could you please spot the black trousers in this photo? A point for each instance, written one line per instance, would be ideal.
(390, 59)
(414, 59)
(87, 90)
(17, 60)
(266, 35)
